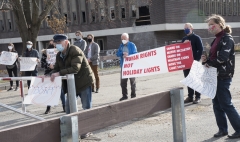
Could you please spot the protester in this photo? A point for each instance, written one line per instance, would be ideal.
(197, 48)
(92, 54)
(80, 42)
(48, 68)
(71, 60)
(126, 48)
(30, 52)
(12, 69)
(222, 57)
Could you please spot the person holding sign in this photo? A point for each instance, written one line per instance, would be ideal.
(92, 54)
(197, 48)
(30, 52)
(222, 57)
(80, 42)
(48, 68)
(126, 48)
(12, 69)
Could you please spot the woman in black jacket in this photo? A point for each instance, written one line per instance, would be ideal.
(222, 57)
(48, 68)
(12, 69)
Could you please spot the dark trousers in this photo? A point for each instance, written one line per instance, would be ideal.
(95, 71)
(15, 72)
(190, 90)
(31, 73)
(222, 106)
(124, 87)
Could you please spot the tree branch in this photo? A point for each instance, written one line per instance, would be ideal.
(27, 12)
(48, 7)
(35, 11)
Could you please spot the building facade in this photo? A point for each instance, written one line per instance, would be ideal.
(150, 23)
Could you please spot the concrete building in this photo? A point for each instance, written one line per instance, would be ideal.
(150, 23)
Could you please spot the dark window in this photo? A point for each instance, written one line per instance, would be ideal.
(112, 13)
(200, 7)
(230, 7)
(224, 7)
(235, 7)
(10, 24)
(66, 16)
(134, 11)
(74, 17)
(101, 44)
(144, 16)
(102, 12)
(93, 15)
(207, 10)
(123, 13)
(219, 7)
(83, 17)
(213, 6)
(1, 25)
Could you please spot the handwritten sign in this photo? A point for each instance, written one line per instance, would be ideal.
(159, 60)
(51, 56)
(8, 58)
(44, 93)
(27, 63)
(202, 79)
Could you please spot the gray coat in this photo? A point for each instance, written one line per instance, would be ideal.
(95, 49)
(81, 44)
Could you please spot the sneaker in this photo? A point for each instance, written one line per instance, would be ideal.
(48, 110)
(123, 98)
(11, 88)
(83, 136)
(234, 136)
(93, 90)
(97, 90)
(196, 101)
(16, 89)
(188, 100)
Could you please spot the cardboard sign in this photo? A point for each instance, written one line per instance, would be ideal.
(159, 60)
(8, 58)
(44, 93)
(51, 56)
(27, 63)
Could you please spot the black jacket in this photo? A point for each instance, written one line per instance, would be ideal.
(225, 61)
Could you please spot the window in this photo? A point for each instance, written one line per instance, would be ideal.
(213, 6)
(101, 44)
(9, 24)
(224, 7)
(112, 13)
(230, 7)
(235, 7)
(134, 11)
(219, 7)
(93, 15)
(200, 7)
(48, 17)
(74, 17)
(1, 25)
(123, 13)
(102, 14)
(83, 17)
(207, 8)
(66, 16)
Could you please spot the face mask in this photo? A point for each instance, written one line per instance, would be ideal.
(59, 47)
(10, 47)
(78, 37)
(124, 41)
(89, 40)
(186, 31)
(29, 46)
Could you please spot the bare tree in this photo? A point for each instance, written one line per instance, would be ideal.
(29, 18)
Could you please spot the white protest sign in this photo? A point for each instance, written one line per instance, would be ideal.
(27, 63)
(8, 58)
(159, 60)
(44, 93)
(51, 56)
(202, 79)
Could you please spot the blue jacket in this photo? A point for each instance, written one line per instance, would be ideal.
(132, 49)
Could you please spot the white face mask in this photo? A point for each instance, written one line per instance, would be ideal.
(124, 41)
(10, 47)
(78, 37)
(29, 46)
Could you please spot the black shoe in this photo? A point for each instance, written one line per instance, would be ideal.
(196, 101)
(11, 88)
(133, 96)
(48, 110)
(123, 98)
(220, 134)
(83, 136)
(234, 136)
(93, 90)
(63, 108)
(97, 90)
(188, 100)
(16, 89)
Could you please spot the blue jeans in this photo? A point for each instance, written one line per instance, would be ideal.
(86, 99)
(222, 106)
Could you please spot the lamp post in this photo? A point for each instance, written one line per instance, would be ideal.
(5, 6)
